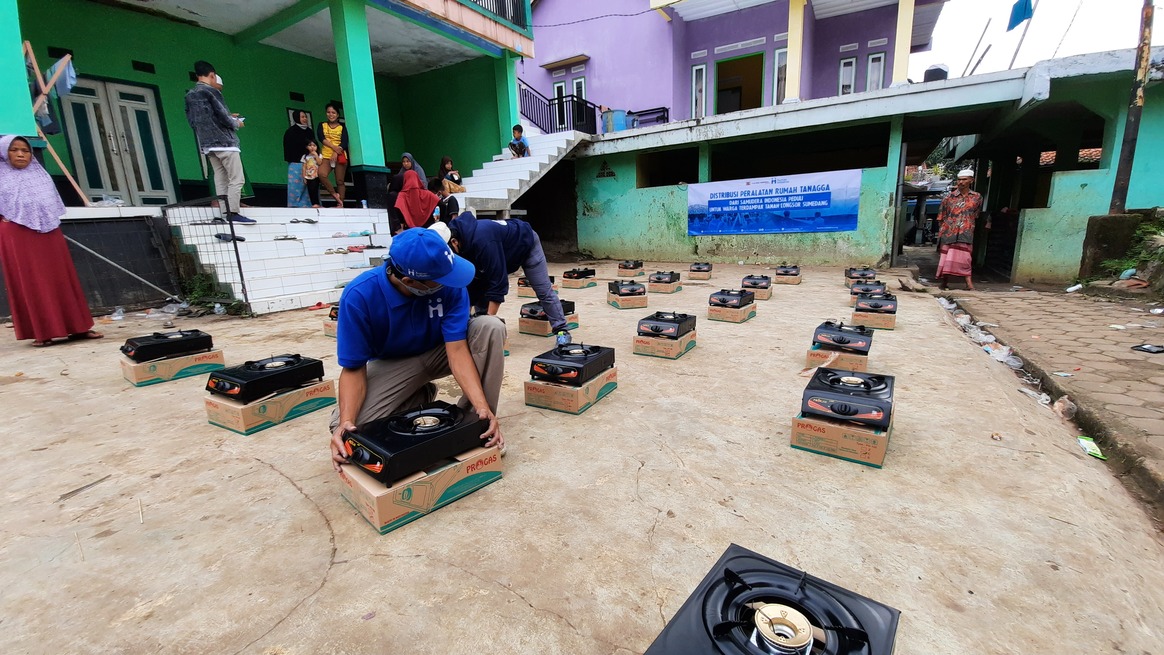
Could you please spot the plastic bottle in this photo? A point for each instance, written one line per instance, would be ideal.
(118, 314)
(364, 204)
(1073, 289)
(219, 309)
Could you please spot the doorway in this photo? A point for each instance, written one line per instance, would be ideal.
(739, 83)
(115, 137)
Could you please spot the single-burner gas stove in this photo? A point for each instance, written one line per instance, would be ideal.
(411, 441)
(164, 345)
(254, 380)
(664, 277)
(752, 605)
(524, 281)
(700, 267)
(535, 311)
(630, 264)
(848, 338)
(573, 364)
(731, 298)
(787, 270)
(756, 282)
(579, 273)
(877, 303)
(669, 325)
(873, 286)
(864, 398)
(626, 288)
(862, 273)
(333, 313)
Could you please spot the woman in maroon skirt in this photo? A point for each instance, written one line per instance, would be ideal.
(44, 293)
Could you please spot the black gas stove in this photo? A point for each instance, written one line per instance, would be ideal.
(254, 380)
(756, 282)
(865, 398)
(534, 310)
(752, 605)
(731, 298)
(164, 345)
(860, 273)
(847, 338)
(333, 313)
(872, 286)
(626, 288)
(669, 325)
(700, 267)
(524, 281)
(877, 303)
(573, 364)
(411, 441)
(664, 277)
(784, 269)
(630, 264)
(579, 273)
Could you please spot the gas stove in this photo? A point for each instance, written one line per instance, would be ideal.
(756, 282)
(626, 288)
(731, 298)
(254, 380)
(630, 264)
(787, 270)
(847, 338)
(573, 364)
(864, 398)
(664, 277)
(524, 281)
(164, 345)
(534, 310)
(752, 605)
(877, 303)
(700, 267)
(333, 313)
(579, 273)
(861, 273)
(411, 441)
(872, 286)
(669, 325)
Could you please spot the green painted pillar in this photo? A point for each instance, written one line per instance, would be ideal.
(353, 51)
(505, 78)
(704, 162)
(895, 173)
(16, 110)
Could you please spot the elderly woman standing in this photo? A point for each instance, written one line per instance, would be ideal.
(43, 290)
(956, 219)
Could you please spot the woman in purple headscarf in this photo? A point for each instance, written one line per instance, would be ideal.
(44, 293)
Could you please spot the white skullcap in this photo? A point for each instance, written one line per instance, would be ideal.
(441, 229)
(965, 172)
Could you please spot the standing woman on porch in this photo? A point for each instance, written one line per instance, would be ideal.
(333, 136)
(956, 219)
(44, 293)
(295, 141)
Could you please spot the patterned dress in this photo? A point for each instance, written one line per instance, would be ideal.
(956, 218)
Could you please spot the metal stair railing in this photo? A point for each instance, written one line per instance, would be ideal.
(560, 114)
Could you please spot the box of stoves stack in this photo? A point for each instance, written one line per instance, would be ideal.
(268, 412)
(664, 347)
(874, 320)
(843, 440)
(524, 290)
(388, 508)
(329, 328)
(626, 302)
(732, 314)
(540, 328)
(568, 399)
(845, 361)
(141, 374)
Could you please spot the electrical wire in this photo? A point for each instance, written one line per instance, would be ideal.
(1069, 26)
(587, 20)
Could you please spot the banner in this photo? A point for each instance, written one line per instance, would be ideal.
(813, 202)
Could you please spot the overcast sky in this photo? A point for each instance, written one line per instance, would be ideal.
(1100, 25)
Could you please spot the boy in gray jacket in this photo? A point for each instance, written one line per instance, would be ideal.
(215, 129)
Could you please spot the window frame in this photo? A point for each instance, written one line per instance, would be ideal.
(851, 61)
(703, 100)
(776, 86)
(869, 77)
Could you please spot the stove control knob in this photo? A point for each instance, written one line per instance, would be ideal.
(844, 409)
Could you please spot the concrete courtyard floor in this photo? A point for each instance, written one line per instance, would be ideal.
(603, 523)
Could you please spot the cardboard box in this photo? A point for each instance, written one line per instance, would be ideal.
(571, 400)
(584, 283)
(662, 347)
(141, 374)
(732, 314)
(631, 272)
(626, 302)
(664, 287)
(329, 328)
(528, 292)
(762, 294)
(785, 279)
(818, 356)
(387, 508)
(847, 441)
(540, 328)
(698, 275)
(874, 320)
(264, 413)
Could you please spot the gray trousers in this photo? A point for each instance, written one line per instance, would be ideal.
(228, 176)
(402, 384)
(538, 275)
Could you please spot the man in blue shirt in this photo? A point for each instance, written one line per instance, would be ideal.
(405, 324)
(497, 248)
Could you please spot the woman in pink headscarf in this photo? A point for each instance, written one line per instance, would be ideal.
(44, 293)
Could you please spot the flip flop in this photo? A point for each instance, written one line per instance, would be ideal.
(1149, 348)
(309, 221)
(318, 305)
(338, 235)
(91, 334)
(287, 237)
(42, 344)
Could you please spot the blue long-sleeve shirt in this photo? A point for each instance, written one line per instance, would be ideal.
(497, 248)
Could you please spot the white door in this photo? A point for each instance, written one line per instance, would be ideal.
(116, 140)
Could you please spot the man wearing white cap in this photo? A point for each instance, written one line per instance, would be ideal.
(956, 219)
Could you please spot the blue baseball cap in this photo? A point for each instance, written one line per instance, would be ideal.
(423, 255)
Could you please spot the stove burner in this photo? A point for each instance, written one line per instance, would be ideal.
(524, 281)
(838, 336)
(573, 364)
(781, 629)
(700, 267)
(629, 264)
(863, 398)
(667, 277)
(666, 324)
(862, 273)
(756, 282)
(333, 313)
(535, 311)
(877, 303)
(579, 273)
(163, 345)
(731, 298)
(788, 270)
(256, 379)
(874, 286)
(626, 288)
(397, 446)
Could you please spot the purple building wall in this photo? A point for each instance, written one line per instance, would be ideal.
(860, 28)
(629, 56)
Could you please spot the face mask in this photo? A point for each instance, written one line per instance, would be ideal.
(422, 292)
(217, 80)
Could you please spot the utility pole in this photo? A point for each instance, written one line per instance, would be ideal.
(1119, 195)
(1024, 36)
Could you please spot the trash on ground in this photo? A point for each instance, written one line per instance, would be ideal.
(1090, 447)
(1117, 327)
(1149, 348)
(946, 304)
(1065, 408)
(1157, 310)
(985, 324)
(1127, 274)
(998, 352)
(1013, 362)
(996, 436)
(1063, 375)
(1018, 287)
(1074, 288)
(1041, 398)
(1130, 283)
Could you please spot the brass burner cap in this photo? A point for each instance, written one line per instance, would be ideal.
(782, 625)
(852, 380)
(426, 421)
(275, 364)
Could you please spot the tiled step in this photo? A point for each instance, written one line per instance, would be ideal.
(290, 301)
(278, 285)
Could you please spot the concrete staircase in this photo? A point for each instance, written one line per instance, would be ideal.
(499, 183)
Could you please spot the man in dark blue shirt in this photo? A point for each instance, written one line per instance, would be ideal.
(405, 324)
(498, 248)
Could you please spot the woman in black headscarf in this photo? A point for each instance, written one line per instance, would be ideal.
(295, 141)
